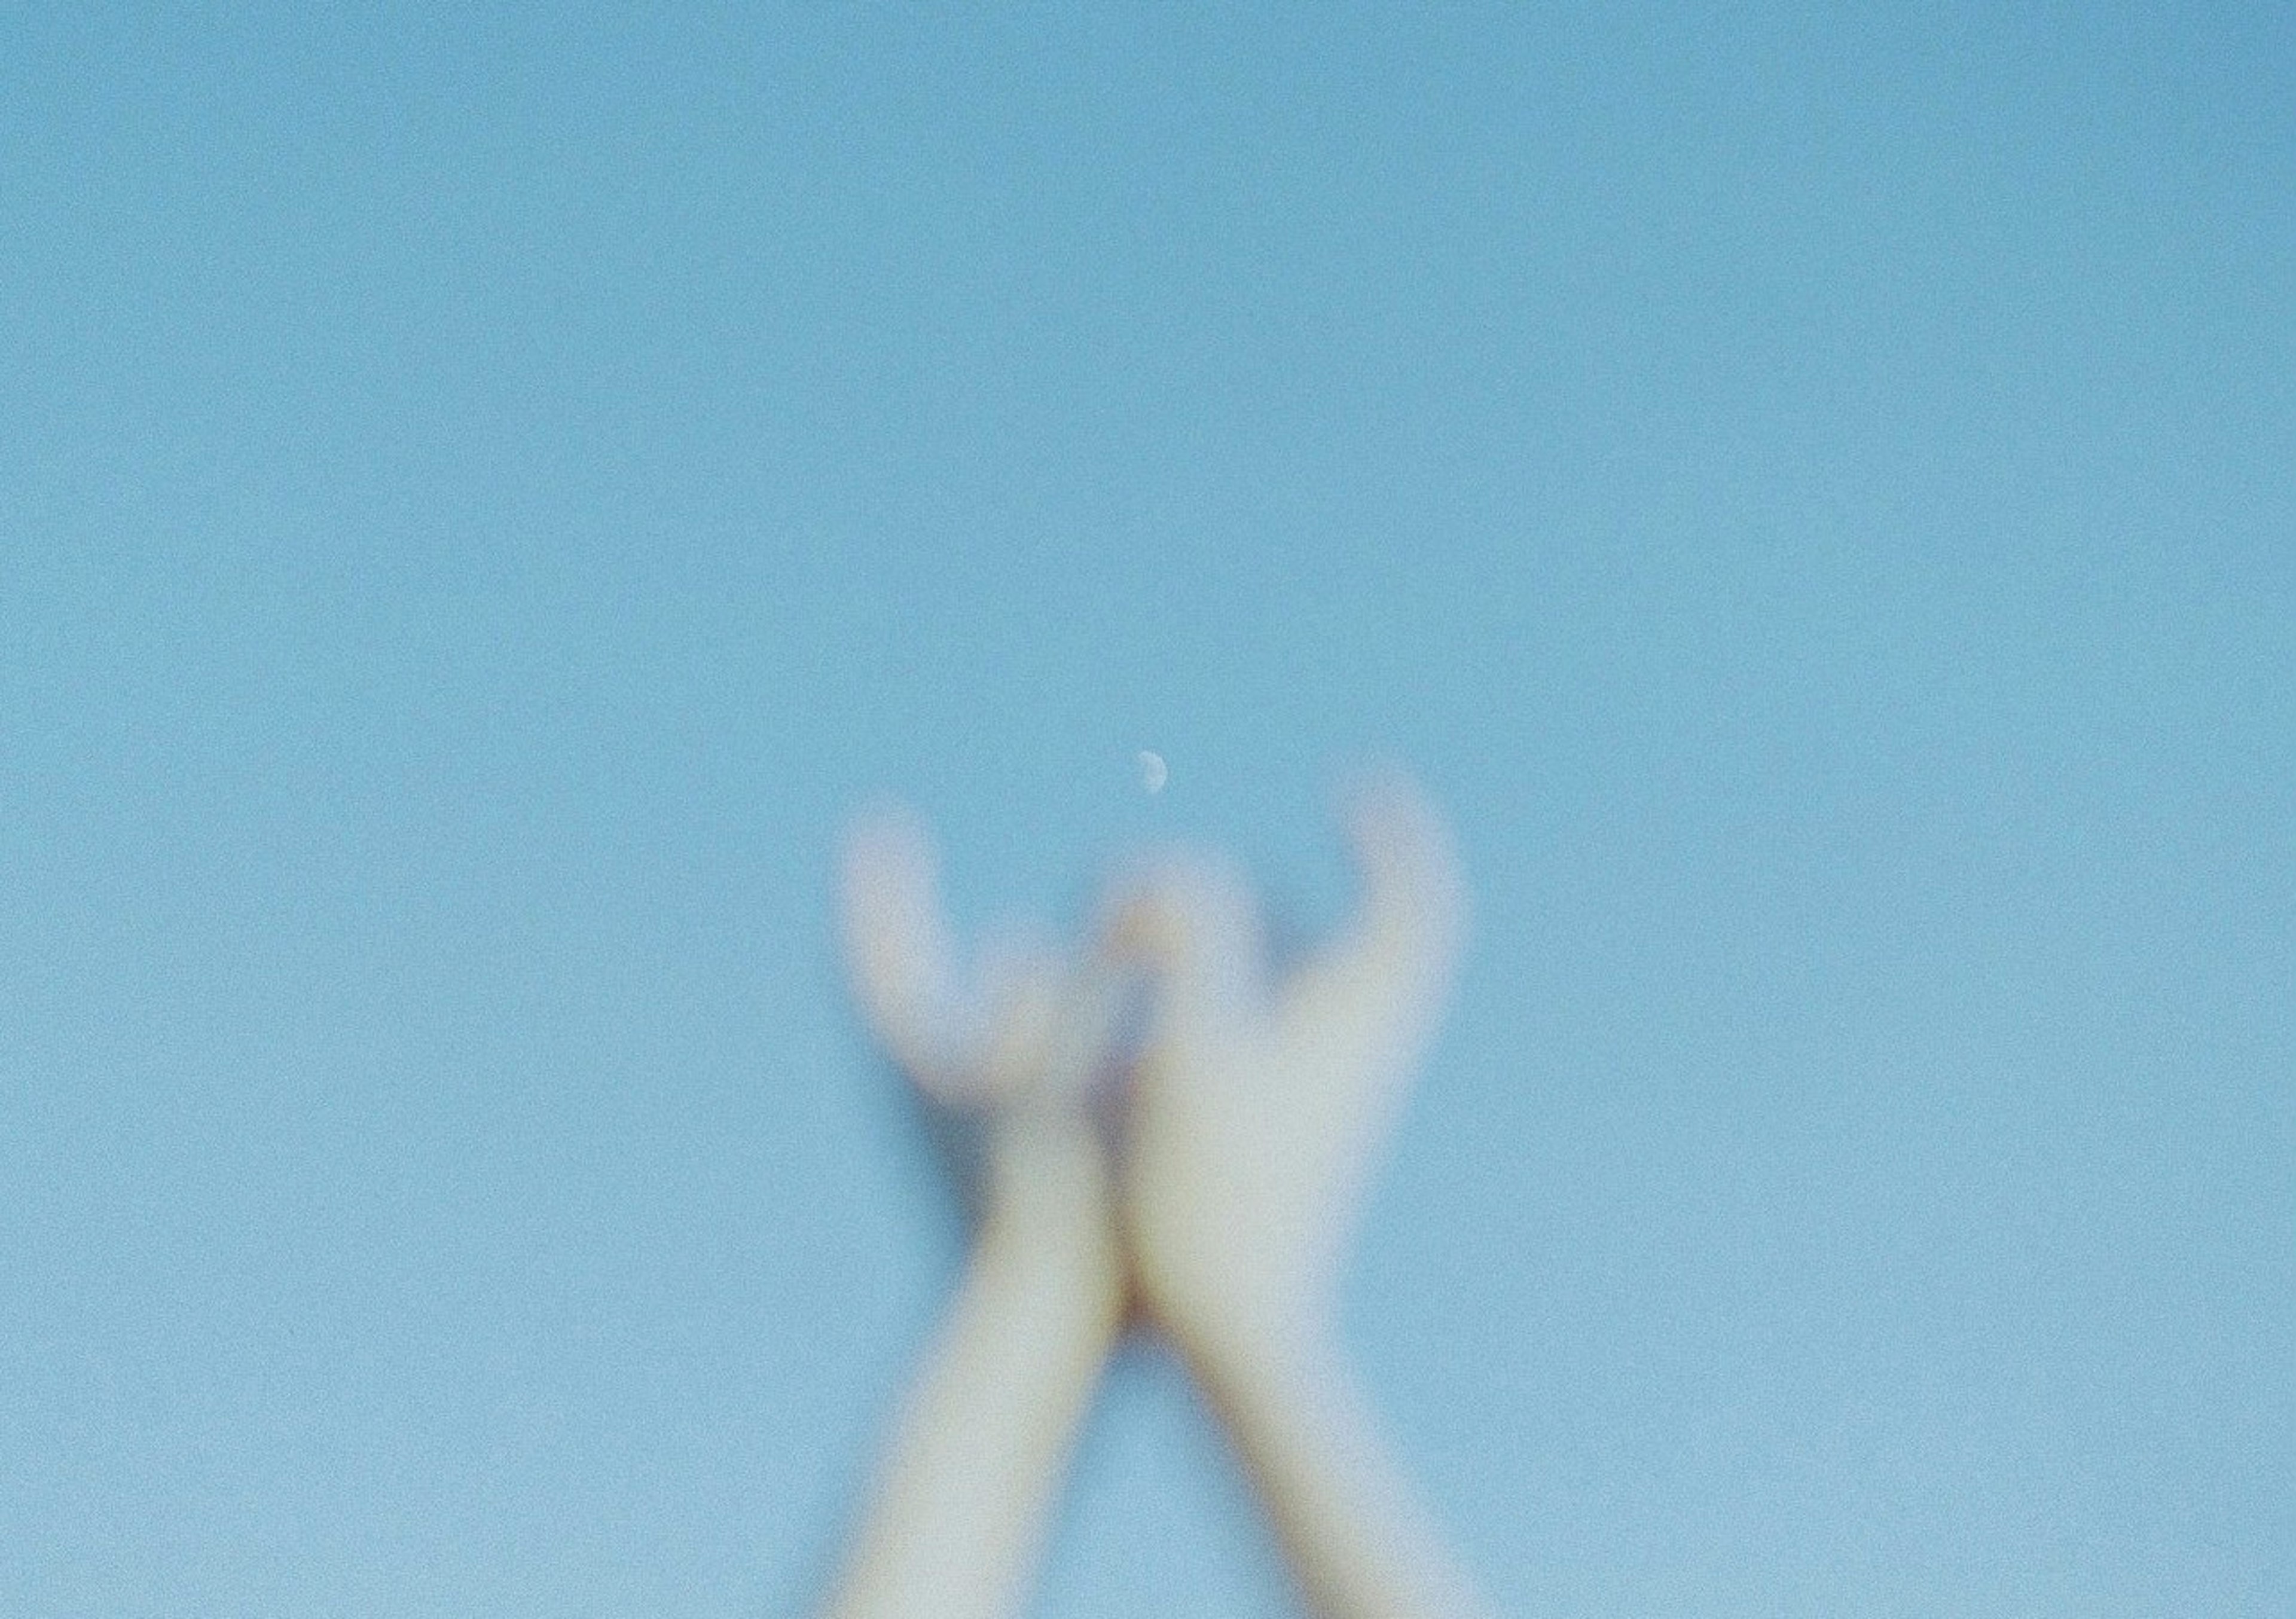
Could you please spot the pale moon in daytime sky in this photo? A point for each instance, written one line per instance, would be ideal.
(1152, 771)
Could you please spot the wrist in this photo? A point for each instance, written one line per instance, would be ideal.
(1047, 1235)
(1247, 1336)
(1248, 1360)
(1055, 1276)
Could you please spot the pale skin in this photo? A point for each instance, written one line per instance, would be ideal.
(965, 1489)
(1258, 1106)
(1254, 1110)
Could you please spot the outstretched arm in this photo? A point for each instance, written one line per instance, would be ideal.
(1256, 1111)
(965, 1489)
(1357, 1537)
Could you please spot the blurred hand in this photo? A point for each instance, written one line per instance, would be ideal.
(1259, 1104)
(1012, 1050)
(964, 1491)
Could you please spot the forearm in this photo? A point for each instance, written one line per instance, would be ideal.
(964, 1493)
(1357, 1542)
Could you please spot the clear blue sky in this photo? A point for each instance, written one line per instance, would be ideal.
(485, 492)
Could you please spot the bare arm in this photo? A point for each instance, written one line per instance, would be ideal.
(1354, 1534)
(965, 1489)
(963, 1494)
(1258, 1110)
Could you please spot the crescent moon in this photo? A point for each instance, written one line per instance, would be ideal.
(1151, 770)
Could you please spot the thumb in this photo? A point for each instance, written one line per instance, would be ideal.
(1193, 925)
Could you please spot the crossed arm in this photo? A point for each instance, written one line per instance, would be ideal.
(964, 1491)
(1257, 1112)
(1254, 1113)
(966, 1488)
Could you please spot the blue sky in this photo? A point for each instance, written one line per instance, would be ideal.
(484, 495)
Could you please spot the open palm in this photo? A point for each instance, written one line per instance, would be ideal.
(1259, 1100)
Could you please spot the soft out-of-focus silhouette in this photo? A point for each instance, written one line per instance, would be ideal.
(1213, 1198)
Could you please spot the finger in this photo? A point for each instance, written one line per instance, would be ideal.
(897, 953)
(1193, 926)
(1022, 989)
(1380, 980)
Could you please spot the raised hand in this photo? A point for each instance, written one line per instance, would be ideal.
(1014, 1049)
(1255, 1105)
(1258, 1102)
(964, 1491)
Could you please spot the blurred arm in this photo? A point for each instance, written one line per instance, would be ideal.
(1257, 1108)
(964, 1495)
(1355, 1536)
(963, 1492)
